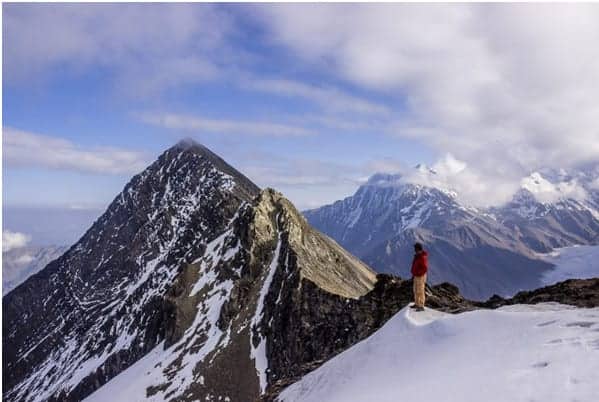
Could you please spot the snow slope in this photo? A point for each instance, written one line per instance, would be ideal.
(579, 262)
(547, 352)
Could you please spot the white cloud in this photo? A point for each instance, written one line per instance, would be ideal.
(21, 148)
(506, 88)
(384, 165)
(301, 172)
(326, 97)
(202, 124)
(23, 259)
(546, 191)
(451, 174)
(148, 47)
(12, 240)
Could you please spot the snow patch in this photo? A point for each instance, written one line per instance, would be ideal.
(258, 353)
(576, 262)
(544, 353)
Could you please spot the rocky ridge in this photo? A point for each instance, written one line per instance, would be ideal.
(194, 285)
(103, 304)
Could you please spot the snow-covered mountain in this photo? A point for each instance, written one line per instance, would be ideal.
(547, 352)
(102, 305)
(572, 262)
(193, 285)
(554, 210)
(197, 285)
(381, 206)
(468, 246)
(20, 263)
(482, 251)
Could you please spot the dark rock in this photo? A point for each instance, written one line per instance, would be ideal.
(575, 292)
(117, 283)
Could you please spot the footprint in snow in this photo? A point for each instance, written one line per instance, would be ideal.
(546, 323)
(582, 324)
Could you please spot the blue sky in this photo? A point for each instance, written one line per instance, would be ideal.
(97, 103)
(309, 99)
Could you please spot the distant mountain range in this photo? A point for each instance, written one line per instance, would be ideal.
(195, 284)
(20, 263)
(544, 225)
(483, 251)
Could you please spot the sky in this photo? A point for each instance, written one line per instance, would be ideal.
(310, 99)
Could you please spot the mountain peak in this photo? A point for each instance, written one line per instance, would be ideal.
(422, 168)
(190, 158)
(186, 143)
(383, 179)
(536, 183)
(348, 277)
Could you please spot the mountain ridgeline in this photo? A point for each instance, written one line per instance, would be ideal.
(193, 285)
(101, 305)
(483, 252)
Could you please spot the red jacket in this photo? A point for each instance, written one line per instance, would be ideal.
(420, 264)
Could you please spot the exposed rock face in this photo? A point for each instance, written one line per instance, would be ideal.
(467, 246)
(367, 314)
(576, 292)
(102, 305)
(331, 324)
(243, 314)
(215, 283)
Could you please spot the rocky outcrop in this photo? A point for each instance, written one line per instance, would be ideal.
(361, 317)
(575, 292)
(318, 325)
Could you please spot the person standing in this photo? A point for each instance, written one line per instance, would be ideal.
(419, 270)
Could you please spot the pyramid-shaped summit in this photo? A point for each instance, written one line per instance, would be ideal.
(193, 284)
(190, 147)
(100, 307)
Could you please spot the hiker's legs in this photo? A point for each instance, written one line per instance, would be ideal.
(419, 284)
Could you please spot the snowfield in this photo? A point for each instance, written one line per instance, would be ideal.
(580, 262)
(548, 352)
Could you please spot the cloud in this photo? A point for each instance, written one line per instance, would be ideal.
(506, 88)
(12, 240)
(202, 124)
(147, 47)
(310, 182)
(21, 148)
(325, 96)
(23, 259)
(301, 172)
(452, 174)
(546, 191)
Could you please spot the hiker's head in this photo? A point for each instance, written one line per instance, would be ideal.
(418, 247)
